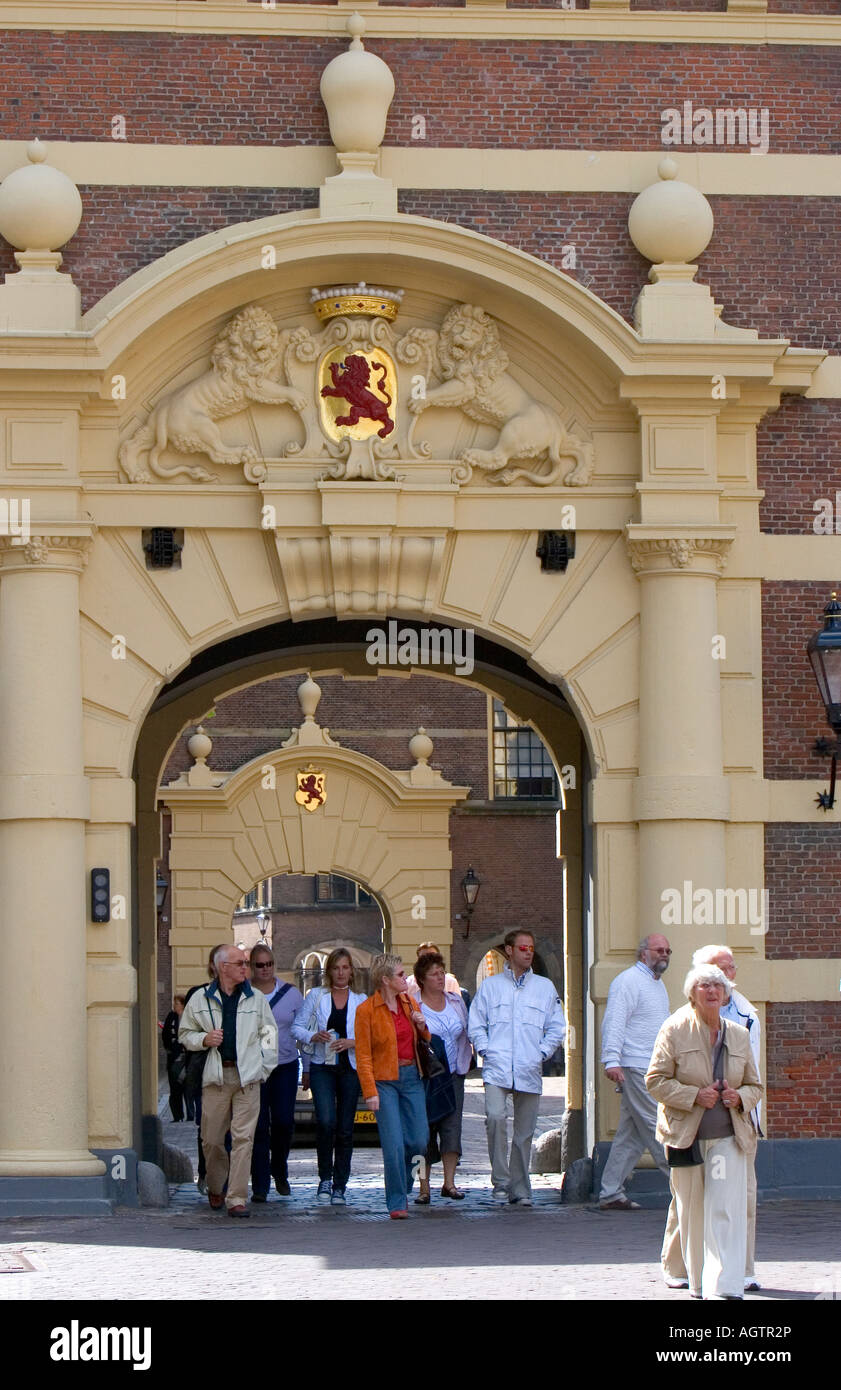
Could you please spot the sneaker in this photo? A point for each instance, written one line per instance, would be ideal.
(520, 1202)
(283, 1189)
(338, 1198)
(499, 1194)
(325, 1191)
(620, 1204)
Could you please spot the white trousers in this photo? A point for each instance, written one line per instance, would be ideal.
(711, 1203)
(671, 1258)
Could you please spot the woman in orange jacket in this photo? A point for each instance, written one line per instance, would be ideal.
(388, 1026)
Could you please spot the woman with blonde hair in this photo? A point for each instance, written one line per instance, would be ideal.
(388, 1026)
(704, 1078)
(324, 1025)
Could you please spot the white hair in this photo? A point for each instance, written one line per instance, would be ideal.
(705, 955)
(703, 974)
(217, 954)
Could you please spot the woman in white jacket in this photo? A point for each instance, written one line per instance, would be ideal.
(324, 1025)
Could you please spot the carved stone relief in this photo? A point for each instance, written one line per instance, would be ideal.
(359, 393)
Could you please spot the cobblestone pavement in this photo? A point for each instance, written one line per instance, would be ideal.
(474, 1249)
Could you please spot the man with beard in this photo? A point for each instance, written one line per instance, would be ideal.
(637, 1006)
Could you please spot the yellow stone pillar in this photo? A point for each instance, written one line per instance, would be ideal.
(681, 798)
(44, 803)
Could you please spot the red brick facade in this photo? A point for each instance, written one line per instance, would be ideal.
(803, 1080)
(798, 449)
(803, 878)
(793, 712)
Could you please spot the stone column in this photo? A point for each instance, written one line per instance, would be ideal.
(681, 798)
(43, 809)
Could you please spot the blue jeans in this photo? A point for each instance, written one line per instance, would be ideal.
(404, 1132)
(334, 1095)
(275, 1127)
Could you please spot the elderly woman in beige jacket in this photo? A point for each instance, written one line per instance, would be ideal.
(704, 1078)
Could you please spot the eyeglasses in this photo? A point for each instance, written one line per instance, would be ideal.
(660, 950)
(234, 964)
(263, 964)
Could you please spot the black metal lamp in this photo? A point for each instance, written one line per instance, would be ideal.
(470, 886)
(263, 920)
(161, 890)
(824, 650)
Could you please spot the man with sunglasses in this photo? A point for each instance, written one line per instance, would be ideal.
(235, 1024)
(637, 1006)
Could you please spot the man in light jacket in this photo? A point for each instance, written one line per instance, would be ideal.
(637, 1006)
(236, 1025)
(516, 1023)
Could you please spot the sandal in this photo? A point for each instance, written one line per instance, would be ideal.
(454, 1192)
(422, 1200)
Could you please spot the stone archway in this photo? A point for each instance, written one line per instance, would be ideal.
(616, 632)
(389, 830)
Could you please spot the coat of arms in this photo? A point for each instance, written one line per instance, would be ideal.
(312, 789)
(359, 397)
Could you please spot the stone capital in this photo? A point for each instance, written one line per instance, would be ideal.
(54, 552)
(679, 550)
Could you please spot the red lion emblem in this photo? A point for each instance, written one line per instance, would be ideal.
(350, 383)
(310, 786)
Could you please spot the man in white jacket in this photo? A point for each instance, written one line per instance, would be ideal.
(516, 1022)
(637, 1006)
(235, 1024)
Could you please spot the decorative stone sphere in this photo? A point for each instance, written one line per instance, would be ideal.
(420, 746)
(40, 208)
(199, 745)
(670, 220)
(357, 89)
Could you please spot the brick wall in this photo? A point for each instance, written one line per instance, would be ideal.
(230, 89)
(803, 878)
(793, 712)
(798, 452)
(804, 1084)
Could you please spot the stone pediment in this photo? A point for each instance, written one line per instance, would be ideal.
(350, 398)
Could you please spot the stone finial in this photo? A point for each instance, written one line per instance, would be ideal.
(309, 734)
(40, 208)
(420, 747)
(357, 89)
(670, 221)
(199, 775)
(309, 694)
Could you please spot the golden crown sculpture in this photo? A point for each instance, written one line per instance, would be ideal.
(339, 301)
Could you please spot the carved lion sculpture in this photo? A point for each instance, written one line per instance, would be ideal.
(475, 377)
(244, 358)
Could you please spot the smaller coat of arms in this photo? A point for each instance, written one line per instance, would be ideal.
(358, 391)
(312, 788)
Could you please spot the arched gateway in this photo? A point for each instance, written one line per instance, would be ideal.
(518, 404)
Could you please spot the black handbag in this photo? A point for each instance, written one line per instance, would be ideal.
(685, 1158)
(429, 1064)
(440, 1092)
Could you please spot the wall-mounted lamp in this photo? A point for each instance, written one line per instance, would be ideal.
(263, 920)
(161, 890)
(824, 651)
(470, 886)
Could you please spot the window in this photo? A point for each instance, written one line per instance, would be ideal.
(522, 766)
(258, 897)
(334, 891)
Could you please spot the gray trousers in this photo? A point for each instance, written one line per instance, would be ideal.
(637, 1123)
(511, 1175)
